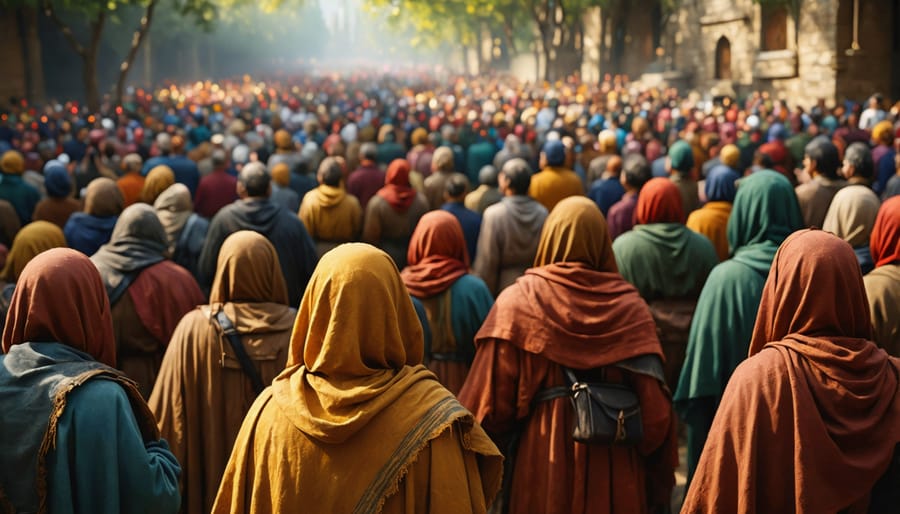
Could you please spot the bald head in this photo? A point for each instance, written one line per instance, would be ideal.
(254, 181)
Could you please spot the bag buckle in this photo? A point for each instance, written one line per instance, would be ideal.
(620, 427)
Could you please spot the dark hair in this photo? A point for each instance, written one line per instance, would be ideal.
(859, 156)
(636, 170)
(456, 186)
(368, 151)
(255, 179)
(825, 155)
(487, 175)
(518, 173)
(331, 172)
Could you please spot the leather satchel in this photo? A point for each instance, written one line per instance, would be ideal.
(605, 413)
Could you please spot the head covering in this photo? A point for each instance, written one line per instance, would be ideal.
(283, 140)
(659, 202)
(158, 180)
(681, 156)
(356, 328)
(59, 297)
(34, 238)
(173, 208)
(12, 163)
(281, 174)
(56, 180)
(730, 155)
(437, 255)
(138, 241)
(248, 271)
(851, 215)
(397, 190)
(883, 132)
(721, 184)
(885, 241)
(555, 152)
(815, 289)
(103, 198)
(765, 211)
(575, 231)
(777, 132)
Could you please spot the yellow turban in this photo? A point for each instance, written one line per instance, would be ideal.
(12, 163)
(883, 132)
(281, 174)
(730, 155)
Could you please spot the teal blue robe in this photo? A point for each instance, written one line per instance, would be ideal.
(98, 461)
(765, 212)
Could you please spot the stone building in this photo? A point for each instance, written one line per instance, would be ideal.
(801, 50)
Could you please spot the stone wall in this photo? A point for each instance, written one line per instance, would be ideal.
(13, 81)
(870, 70)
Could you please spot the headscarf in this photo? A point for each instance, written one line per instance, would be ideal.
(765, 213)
(12, 163)
(33, 239)
(730, 155)
(281, 174)
(137, 242)
(103, 198)
(173, 208)
(437, 255)
(158, 180)
(659, 202)
(885, 241)
(248, 271)
(397, 190)
(721, 184)
(852, 214)
(815, 290)
(883, 133)
(59, 297)
(57, 180)
(575, 231)
(355, 347)
(681, 156)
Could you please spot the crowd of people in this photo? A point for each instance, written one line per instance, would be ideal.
(384, 293)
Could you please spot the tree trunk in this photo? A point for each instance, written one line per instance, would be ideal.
(91, 87)
(139, 36)
(34, 67)
(148, 62)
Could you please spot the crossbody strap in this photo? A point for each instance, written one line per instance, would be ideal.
(116, 294)
(234, 339)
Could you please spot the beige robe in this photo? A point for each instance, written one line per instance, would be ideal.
(390, 230)
(815, 197)
(202, 394)
(883, 291)
(435, 186)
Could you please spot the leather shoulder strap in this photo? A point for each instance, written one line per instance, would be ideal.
(234, 339)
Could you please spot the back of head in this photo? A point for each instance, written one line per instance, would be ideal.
(281, 174)
(132, 162)
(554, 152)
(456, 187)
(138, 225)
(607, 141)
(59, 297)
(438, 234)
(12, 163)
(852, 215)
(57, 180)
(331, 171)
(283, 140)
(442, 160)
(356, 318)
(883, 133)
(255, 180)
(575, 231)
(368, 151)
(636, 171)
(721, 184)
(659, 202)
(859, 156)
(158, 180)
(487, 176)
(219, 158)
(815, 290)
(103, 198)
(730, 155)
(765, 210)
(823, 152)
(34, 238)
(164, 142)
(681, 157)
(248, 271)
(518, 174)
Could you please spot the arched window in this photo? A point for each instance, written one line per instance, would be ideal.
(774, 27)
(723, 59)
